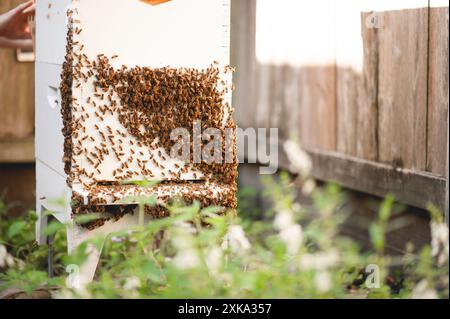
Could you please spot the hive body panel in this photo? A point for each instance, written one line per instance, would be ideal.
(105, 130)
(49, 140)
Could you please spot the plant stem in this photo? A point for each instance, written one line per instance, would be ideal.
(141, 215)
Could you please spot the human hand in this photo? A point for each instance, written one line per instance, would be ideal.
(14, 23)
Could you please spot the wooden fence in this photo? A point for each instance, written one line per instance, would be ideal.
(16, 104)
(380, 126)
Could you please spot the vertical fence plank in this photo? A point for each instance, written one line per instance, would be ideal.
(295, 88)
(276, 86)
(278, 101)
(357, 81)
(402, 95)
(348, 74)
(266, 88)
(243, 26)
(438, 88)
(317, 80)
(318, 107)
(16, 92)
(347, 110)
(367, 122)
(291, 112)
(357, 85)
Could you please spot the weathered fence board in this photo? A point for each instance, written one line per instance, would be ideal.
(243, 26)
(318, 107)
(357, 82)
(17, 151)
(414, 188)
(382, 102)
(402, 89)
(16, 97)
(266, 93)
(348, 94)
(367, 125)
(16, 103)
(348, 78)
(438, 89)
(16, 91)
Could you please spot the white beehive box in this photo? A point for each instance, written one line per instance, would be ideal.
(178, 34)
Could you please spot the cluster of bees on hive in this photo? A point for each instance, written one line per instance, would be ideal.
(148, 103)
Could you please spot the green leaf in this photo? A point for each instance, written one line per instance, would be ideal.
(3, 207)
(16, 228)
(142, 183)
(377, 236)
(98, 242)
(333, 189)
(386, 208)
(436, 214)
(152, 272)
(78, 256)
(59, 202)
(141, 200)
(53, 228)
(84, 219)
(212, 211)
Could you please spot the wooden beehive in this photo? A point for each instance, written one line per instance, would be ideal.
(123, 74)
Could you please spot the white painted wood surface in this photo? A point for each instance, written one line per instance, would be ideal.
(178, 33)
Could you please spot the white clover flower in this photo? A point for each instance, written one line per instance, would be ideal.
(9, 261)
(185, 227)
(3, 254)
(322, 281)
(186, 259)
(236, 240)
(182, 238)
(6, 260)
(168, 259)
(292, 236)
(309, 187)
(187, 256)
(300, 161)
(320, 261)
(213, 259)
(117, 240)
(296, 207)
(132, 283)
(283, 220)
(423, 291)
(439, 242)
(20, 264)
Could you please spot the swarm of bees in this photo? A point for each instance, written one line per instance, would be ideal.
(166, 192)
(148, 103)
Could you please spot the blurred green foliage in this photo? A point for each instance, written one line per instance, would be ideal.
(286, 252)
